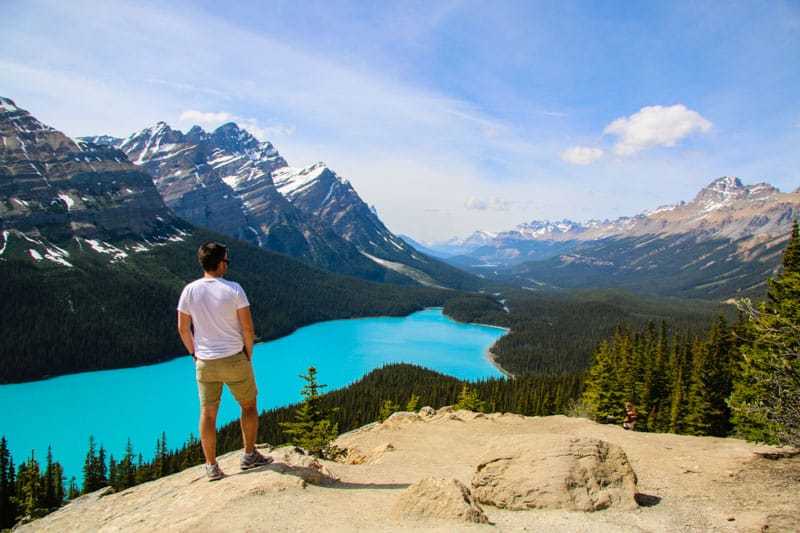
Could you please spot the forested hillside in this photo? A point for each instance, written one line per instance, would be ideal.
(741, 379)
(554, 332)
(99, 315)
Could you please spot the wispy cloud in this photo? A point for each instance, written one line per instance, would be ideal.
(494, 203)
(655, 126)
(581, 155)
(188, 87)
(213, 119)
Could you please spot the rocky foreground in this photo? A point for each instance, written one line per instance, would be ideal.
(463, 471)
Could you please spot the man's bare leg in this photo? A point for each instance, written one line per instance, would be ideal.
(249, 423)
(208, 431)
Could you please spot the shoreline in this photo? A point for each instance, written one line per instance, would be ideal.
(492, 358)
(488, 354)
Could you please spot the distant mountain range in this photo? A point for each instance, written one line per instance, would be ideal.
(724, 242)
(92, 260)
(230, 182)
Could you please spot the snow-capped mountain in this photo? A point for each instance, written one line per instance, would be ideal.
(322, 194)
(223, 180)
(229, 181)
(57, 193)
(725, 208)
(728, 238)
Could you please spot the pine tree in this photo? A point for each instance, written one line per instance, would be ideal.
(766, 396)
(660, 384)
(312, 428)
(29, 494)
(708, 412)
(602, 395)
(50, 482)
(469, 400)
(160, 464)
(91, 481)
(8, 508)
(413, 403)
(388, 407)
(101, 469)
(791, 256)
(73, 491)
(58, 483)
(127, 468)
(113, 473)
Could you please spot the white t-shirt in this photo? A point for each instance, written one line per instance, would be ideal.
(212, 303)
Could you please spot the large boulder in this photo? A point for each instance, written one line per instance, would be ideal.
(555, 472)
(355, 456)
(400, 419)
(427, 411)
(296, 462)
(438, 498)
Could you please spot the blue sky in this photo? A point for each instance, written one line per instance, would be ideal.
(448, 116)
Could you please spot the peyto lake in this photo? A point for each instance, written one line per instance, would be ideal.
(141, 402)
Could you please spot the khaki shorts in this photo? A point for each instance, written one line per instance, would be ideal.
(235, 371)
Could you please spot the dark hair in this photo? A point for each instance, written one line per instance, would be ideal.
(210, 255)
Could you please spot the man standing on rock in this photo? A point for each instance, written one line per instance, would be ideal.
(222, 347)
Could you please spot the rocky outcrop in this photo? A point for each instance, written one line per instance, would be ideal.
(422, 484)
(295, 461)
(355, 456)
(438, 498)
(555, 472)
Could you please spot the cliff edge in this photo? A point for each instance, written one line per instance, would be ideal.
(461, 471)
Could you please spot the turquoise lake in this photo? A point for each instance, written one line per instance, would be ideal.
(139, 403)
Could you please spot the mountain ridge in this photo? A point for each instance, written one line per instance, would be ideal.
(724, 242)
(230, 182)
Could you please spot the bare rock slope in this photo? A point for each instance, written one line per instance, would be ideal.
(421, 473)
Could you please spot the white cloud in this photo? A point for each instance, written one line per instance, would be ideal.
(474, 203)
(213, 119)
(581, 155)
(655, 126)
(201, 117)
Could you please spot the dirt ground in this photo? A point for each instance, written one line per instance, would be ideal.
(684, 483)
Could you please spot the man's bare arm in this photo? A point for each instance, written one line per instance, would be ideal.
(248, 332)
(185, 330)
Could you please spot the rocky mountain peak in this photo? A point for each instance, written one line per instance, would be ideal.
(719, 192)
(231, 137)
(547, 226)
(59, 188)
(7, 105)
(728, 189)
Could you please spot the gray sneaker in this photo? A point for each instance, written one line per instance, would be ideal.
(253, 460)
(214, 472)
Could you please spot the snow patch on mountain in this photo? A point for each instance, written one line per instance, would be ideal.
(401, 268)
(291, 181)
(7, 105)
(67, 200)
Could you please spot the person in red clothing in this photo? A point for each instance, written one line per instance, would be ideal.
(630, 416)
